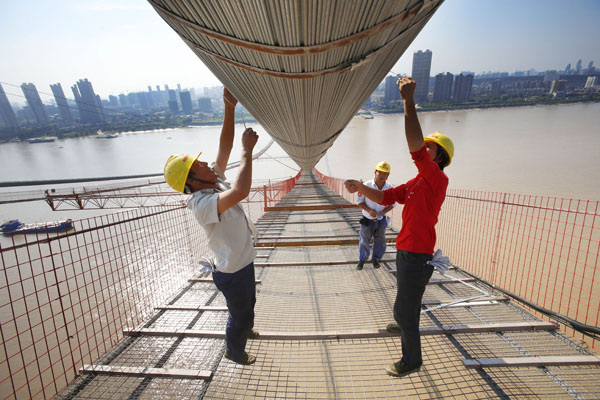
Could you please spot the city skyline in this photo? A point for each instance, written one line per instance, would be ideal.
(124, 47)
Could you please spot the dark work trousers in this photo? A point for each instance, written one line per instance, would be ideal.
(375, 230)
(239, 290)
(412, 276)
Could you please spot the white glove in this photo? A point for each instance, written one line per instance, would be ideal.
(440, 261)
(207, 264)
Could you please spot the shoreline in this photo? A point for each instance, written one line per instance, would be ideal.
(242, 121)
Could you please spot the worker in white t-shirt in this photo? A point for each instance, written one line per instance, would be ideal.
(215, 204)
(374, 220)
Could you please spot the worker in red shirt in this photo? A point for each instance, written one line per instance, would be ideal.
(422, 197)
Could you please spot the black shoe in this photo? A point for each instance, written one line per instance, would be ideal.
(399, 369)
(253, 334)
(247, 359)
(376, 264)
(393, 328)
(360, 265)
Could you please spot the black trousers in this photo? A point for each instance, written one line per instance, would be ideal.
(412, 276)
(239, 290)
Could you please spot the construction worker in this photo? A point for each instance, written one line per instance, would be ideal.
(373, 221)
(422, 197)
(215, 204)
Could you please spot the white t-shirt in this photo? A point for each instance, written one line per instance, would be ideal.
(361, 198)
(229, 234)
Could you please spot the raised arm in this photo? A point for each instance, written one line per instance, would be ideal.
(227, 131)
(354, 186)
(241, 188)
(412, 127)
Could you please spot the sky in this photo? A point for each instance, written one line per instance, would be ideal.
(123, 46)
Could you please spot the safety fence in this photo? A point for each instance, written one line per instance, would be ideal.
(543, 250)
(66, 297)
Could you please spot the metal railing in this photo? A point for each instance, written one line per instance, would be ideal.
(544, 251)
(66, 298)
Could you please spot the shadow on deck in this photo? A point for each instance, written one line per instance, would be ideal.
(322, 325)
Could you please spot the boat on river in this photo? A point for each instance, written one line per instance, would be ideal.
(102, 135)
(15, 227)
(42, 139)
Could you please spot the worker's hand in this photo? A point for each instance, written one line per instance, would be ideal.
(407, 88)
(249, 139)
(372, 213)
(352, 185)
(229, 98)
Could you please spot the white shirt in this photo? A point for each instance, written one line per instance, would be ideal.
(230, 233)
(361, 198)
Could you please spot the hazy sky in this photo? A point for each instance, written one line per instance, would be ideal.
(123, 45)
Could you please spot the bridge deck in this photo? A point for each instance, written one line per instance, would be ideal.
(322, 324)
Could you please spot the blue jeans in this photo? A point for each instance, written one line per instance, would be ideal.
(239, 290)
(412, 276)
(375, 230)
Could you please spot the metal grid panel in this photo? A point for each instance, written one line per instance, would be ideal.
(527, 383)
(174, 319)
(341, 298)
(212, 320)
(343, 370)
(199, 293)
(196, 353)
(101, 388)
(172, 389)
(298, 254)
(144, 351)
(321, 298)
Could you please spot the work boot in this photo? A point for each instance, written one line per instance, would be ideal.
(360, 265)
(376, 263)
(400, 369)
(253, 334)
(247, 359)
(393, 328)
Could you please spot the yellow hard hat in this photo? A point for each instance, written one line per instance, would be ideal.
(444, 141)
(177, 169)
(383, 166)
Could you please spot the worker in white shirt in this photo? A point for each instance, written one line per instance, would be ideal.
(374, 221)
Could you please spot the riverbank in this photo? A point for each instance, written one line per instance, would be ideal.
(428, 107)
(163, 122)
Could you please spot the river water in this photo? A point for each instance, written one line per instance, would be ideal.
(541, 150)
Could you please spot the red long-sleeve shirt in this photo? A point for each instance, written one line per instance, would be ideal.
(422, 197)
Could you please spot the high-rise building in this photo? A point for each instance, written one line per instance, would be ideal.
(421, 69)
(391, 92)
(173, 107)
(590, 82)
(61, 101)
(35, 103)
(496, 87)
(186, 102)
(205, 105)
(90, 109)
(462, 88)
(558, 86)
(123, 100)
(6, 111)
(442, 87)
(113, 101)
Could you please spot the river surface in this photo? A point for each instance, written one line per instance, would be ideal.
(541, 150)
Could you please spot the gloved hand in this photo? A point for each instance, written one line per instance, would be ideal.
(207, 264)
(440, 261)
